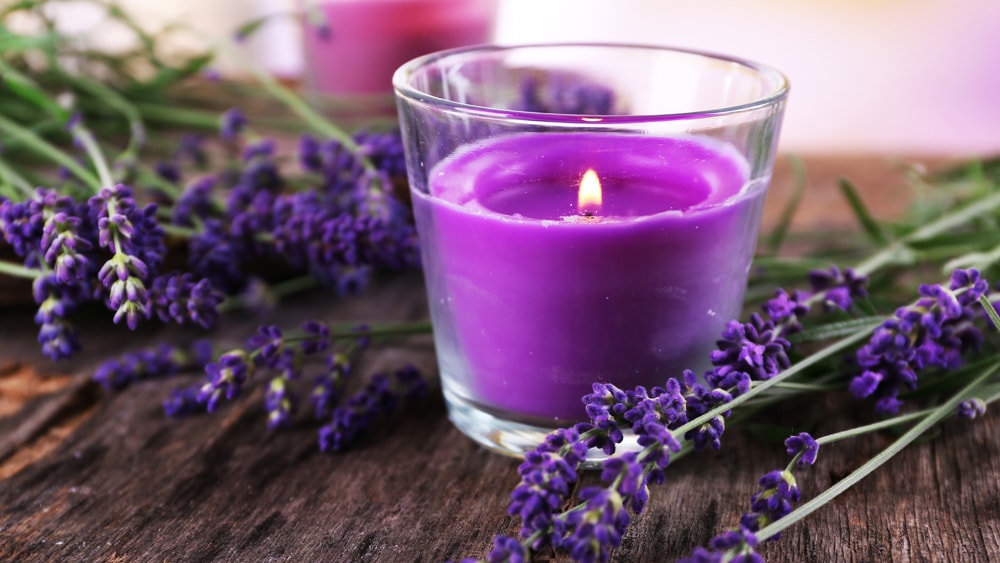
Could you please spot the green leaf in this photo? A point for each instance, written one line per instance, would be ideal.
(991, 312)
(249, 28)
(870, 226)
(836, 329)
(23, 87)
(167, 75)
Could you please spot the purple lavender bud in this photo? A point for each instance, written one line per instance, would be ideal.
(268, 342)
(196, 201)
(380, 396)
(191, 148)
(629, 474)
(319, 340)
(168, 170)
(947, 304)
(773, 501)
(734, 546)
(785, 307)
(213, 254)
(805, 444)
(231, 124)
(159, 361)
(182, 401)
(971, 408)
(280, 403)
(225, 378)
(840, 288)
(598, 527)
(309, 154)
(864, 385)
(176, 298)
(507, 550)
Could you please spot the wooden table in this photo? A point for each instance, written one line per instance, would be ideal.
(86, 475)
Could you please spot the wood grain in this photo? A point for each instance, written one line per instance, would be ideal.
(109, 478)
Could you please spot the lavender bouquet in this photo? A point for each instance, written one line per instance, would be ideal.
(131, 194)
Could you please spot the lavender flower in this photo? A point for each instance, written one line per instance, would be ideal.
(507, 550)
(773, 501)
(733, 546)
(191, 148)
(565, 93)
(63, 247)
(547, 475)
(215, 255)
(58, 337)
(381, 396)
(971, 408)
(267, 346)
(840, 289)
(21, 224)
(327, 387)
(195, 202)
(318, 339)
(176, 297)
(280, 403)
(136, 241)
(225, 378)
(787, 308)
(598, 526)
(118, 373)
(183, 401)
(805, 445)
(168, 170)
(231, 124)
(755, 348)
(933, 332)
(158, 361)
(606, 408)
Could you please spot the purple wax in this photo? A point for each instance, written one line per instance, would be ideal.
(532, 301)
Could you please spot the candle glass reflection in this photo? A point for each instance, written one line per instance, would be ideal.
(586, 213)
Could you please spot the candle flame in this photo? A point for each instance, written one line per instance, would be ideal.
(590, 198)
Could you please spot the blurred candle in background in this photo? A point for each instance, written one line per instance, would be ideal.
(368, 40)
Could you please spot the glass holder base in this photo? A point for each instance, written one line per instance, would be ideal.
(514, 438)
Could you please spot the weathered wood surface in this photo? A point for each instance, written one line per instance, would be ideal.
(89, 476)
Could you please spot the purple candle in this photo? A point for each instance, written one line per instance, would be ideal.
(586, 213)
(535, 293)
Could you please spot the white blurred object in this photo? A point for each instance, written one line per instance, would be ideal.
(898, 76)
(278, 45)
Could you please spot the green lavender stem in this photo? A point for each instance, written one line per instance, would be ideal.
(929, 420)
(93, 151)
(17, 270)
(899, 249)
(14, 178)
(43, 147)
(807, 362)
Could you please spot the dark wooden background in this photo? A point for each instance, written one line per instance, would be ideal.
(86, 475)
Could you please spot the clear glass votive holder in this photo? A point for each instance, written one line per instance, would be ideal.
(586, 212)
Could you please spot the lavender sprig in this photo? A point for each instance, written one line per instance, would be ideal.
(135, 240)
(660, 418)
(381, 397)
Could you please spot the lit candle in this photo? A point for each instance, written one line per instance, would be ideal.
(586, 213)
(560, 259)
